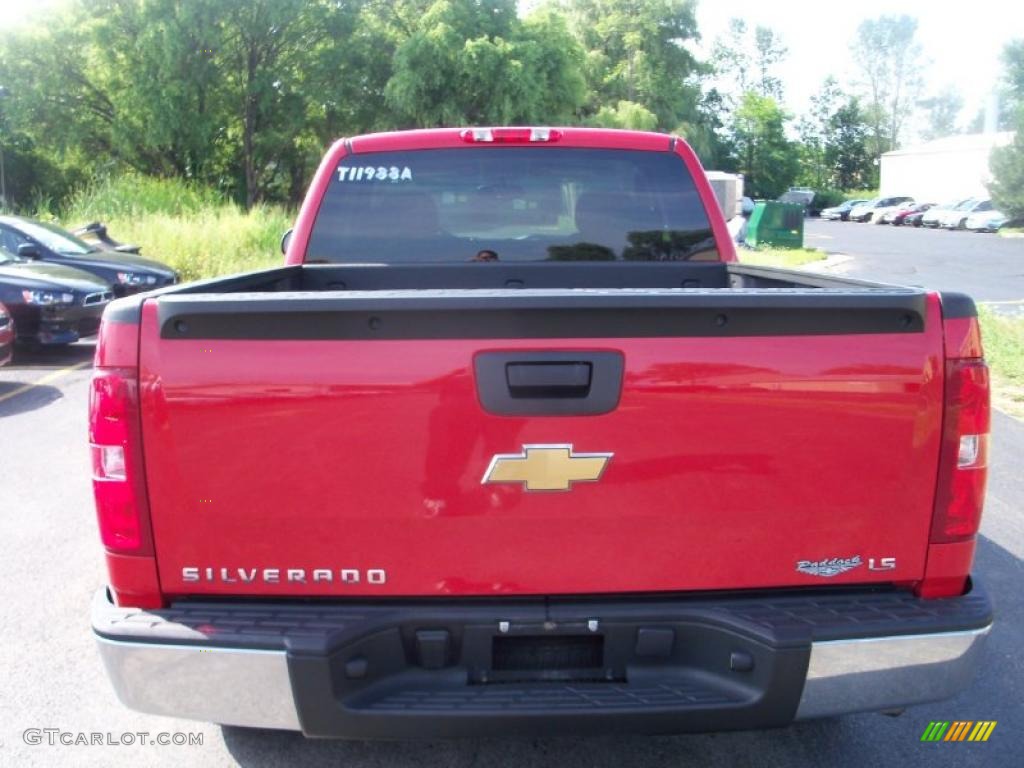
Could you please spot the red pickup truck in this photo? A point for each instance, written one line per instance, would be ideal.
(513, 444)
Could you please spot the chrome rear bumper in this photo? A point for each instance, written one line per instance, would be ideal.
(874, 673)
(160, 663)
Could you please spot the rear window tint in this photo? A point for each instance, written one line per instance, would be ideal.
(511, 204)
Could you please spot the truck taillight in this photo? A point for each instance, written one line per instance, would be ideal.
(963, 464)
(117, 477)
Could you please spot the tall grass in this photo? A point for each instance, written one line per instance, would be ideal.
(788, 258)
(193, 229)
(1003, 339)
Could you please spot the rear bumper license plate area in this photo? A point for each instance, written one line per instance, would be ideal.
(428, 669)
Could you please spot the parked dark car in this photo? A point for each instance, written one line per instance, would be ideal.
(899, 217)
(127, 272)
(6, 336)
(51, 303)
(841, 211)
(914, 219)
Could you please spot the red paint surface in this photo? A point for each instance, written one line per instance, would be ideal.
(734, 458)
(117, 345)
(6, 337)
(963, 338)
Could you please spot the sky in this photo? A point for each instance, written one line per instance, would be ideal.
(961, 39)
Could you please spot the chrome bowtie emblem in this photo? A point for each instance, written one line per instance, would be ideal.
(546, 467)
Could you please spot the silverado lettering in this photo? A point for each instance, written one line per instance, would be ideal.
(620, 479)
(277, 575)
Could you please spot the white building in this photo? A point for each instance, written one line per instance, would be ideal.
(942, 170)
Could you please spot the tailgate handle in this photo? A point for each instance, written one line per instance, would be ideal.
(539, 379)
(549, 382)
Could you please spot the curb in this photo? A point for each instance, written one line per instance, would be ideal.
(832, 261)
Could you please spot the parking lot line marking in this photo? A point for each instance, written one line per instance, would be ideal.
(48, 378)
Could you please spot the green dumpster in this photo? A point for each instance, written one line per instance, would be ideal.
(778, 224)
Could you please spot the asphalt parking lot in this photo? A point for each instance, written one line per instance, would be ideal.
(52, 678)
(989, 267)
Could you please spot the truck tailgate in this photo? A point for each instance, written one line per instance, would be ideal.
(785, 439)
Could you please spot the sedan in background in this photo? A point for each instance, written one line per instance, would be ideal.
(986, 221)
(841, 212)
(898, 216)
(881, 214)
(6, 336)
(51, 304)
(957, 218)
(867, 211)
(935, 215)
(127, 272)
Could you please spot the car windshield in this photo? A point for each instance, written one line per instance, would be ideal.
(53, 237)
(512, 204)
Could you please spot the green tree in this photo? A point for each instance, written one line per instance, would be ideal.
(625, 114)
(890, 61)
(743, 62)
(847, 156)
(54, 97)
(731, 59)
(943, 109)
(814, 130)
(221, 92)
(746, 60)
(1012, 91)
(768, 159)
(1007, 163)
(769, 52)
(476, 62)
(1007, 185)
(636, 51)
(264, 52)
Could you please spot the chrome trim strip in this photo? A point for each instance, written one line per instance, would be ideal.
(874, 673)
(228, 686)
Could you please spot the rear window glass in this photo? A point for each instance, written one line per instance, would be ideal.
(511, 204)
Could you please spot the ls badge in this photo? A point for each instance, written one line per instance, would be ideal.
(546, 467)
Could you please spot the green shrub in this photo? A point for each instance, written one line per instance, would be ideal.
(191, 228)
(207, 243)
(827, 198)
(859, 194)
(1007, 164)
(134, 195)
